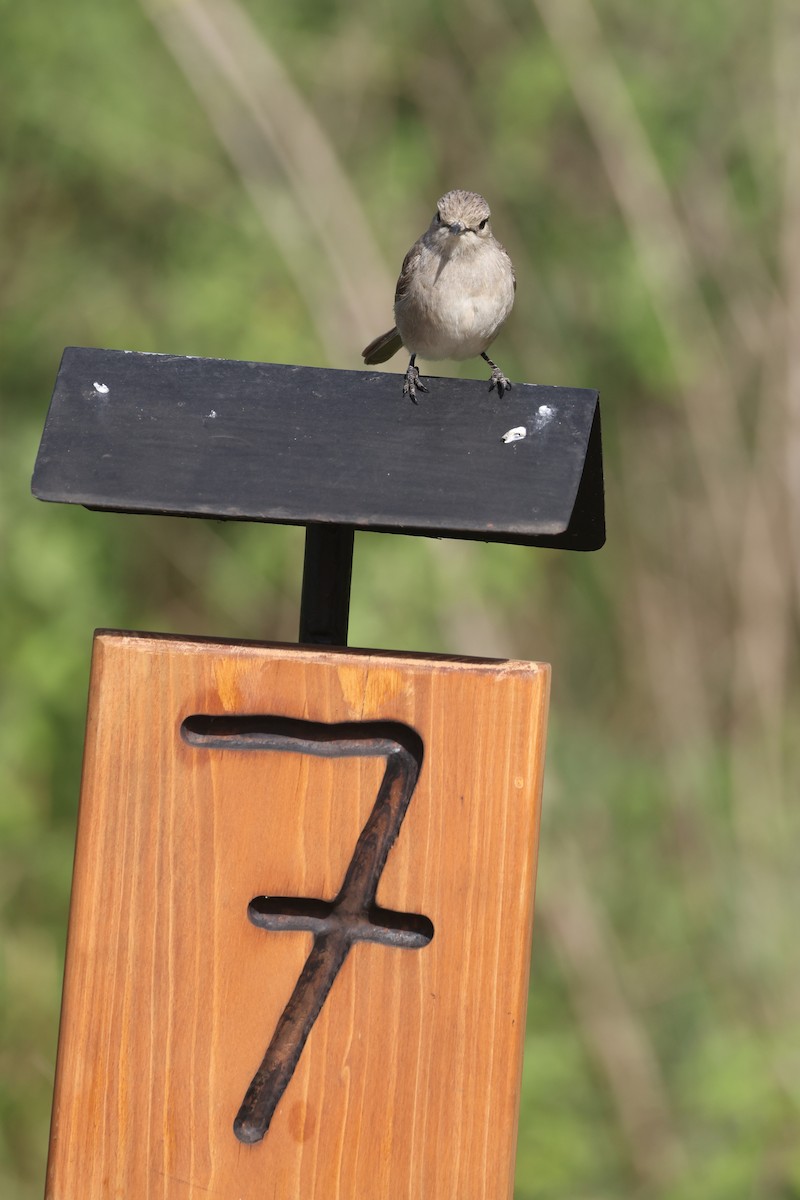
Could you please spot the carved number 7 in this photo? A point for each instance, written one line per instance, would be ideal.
(353, 915)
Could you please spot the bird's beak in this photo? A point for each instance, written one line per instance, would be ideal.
(456, 227)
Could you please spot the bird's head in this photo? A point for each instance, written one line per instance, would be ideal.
(461, 215)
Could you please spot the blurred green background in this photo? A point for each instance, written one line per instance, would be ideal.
(211, 179)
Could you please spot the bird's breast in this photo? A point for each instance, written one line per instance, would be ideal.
(453, 307)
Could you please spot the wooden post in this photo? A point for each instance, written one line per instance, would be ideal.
(300, 927)
(231, 793)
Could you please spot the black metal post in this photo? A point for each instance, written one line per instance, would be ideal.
(327, 571)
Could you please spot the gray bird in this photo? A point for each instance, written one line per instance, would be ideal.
(455, 290)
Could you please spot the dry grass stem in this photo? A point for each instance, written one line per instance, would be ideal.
(614, 1033)
(656, 232)
(259, 115)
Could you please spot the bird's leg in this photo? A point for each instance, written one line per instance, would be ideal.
(413, 381)
(498, 379)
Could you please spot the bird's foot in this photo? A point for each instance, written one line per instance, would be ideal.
(498, 379)
(413, 380)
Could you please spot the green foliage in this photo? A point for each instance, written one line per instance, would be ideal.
(639, 171)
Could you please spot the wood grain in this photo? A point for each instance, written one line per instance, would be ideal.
(408, 1085)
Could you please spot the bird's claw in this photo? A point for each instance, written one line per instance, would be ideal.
(499, 381)
(413, 381)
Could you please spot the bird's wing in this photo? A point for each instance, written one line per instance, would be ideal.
(502, 248)
(407, 270)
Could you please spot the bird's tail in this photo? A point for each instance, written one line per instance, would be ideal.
(382, 347)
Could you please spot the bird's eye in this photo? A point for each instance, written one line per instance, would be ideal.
(483, 223)
(438, 217)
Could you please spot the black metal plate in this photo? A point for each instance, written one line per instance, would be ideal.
(158, 433)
